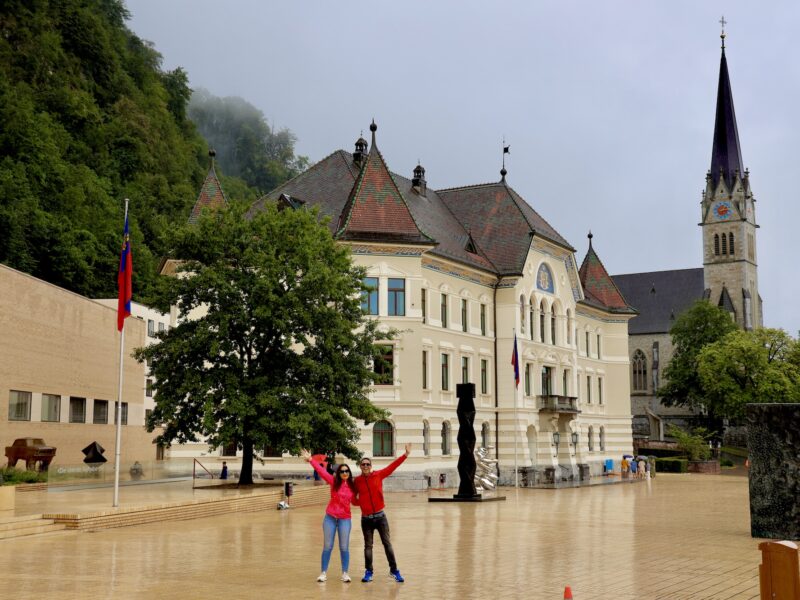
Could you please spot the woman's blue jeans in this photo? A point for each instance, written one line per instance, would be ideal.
(330, 525)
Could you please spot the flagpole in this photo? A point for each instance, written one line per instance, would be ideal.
(119, 403)
(516, 424)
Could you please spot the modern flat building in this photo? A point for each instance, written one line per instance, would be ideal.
(59, 369)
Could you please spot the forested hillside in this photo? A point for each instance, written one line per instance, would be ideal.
(88, 118)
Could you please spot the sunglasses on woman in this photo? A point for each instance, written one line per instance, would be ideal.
(343, 471)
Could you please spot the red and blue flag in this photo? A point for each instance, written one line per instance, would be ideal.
(124, 278)
(515, 361)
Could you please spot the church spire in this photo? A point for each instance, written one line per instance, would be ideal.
(726, 155)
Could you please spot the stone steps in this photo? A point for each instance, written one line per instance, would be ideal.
(14, 527)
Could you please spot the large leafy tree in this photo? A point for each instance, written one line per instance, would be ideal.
(272, 346)
(702, 324)
(749, 366)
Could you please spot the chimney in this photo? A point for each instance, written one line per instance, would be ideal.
(418, 181)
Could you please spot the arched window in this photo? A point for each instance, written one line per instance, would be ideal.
(730, 243)
(724, 244)
(532, 316)
(716, 244)
(485, 433)
(639, 366)
(445, 438)
(591, 439)
(542, 321)
(382, 439)
(522, 314)
(426, 438)
(553, 326)
(602, 439)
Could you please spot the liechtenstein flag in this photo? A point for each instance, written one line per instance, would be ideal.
(124, 278)
(515, 361)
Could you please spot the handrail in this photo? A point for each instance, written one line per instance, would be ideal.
(194, 471)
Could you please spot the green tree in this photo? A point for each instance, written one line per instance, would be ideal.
(702, 324)
(247, 147)
(694, 444)
(749, 366)
(272, 346)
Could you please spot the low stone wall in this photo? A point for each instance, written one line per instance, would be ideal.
(196, 509)
(774, 445)
(709, 467)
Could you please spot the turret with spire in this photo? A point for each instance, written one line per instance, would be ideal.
(728, 215)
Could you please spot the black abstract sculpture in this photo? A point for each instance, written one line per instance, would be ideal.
(466, 440)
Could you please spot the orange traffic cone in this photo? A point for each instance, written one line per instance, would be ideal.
(567, 593)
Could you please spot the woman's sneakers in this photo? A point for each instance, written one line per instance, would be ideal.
(323, 577)
(367, 576)
(346, 577)
(396, 576)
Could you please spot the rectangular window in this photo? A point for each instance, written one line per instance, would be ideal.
(51, 408)
(384, 366)
(484, 376)
(148, 389)
(445, 372)
(160, 327)
(599, 390)
(464, 315)
(588, 389)
(397, 297)
(124, 413)
(443, 310)
(151, 327)
(527, 379)
(100, 412)
(424, 369)
(77, 410)
(147, 414)
(587, 343)
(547, 381)
(424, 305)
(19, 406)
(483, 319)
(464, 369)
(369, 297)
(598, 346)
(565, 382)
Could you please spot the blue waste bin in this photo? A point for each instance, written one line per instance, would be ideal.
(609, 466)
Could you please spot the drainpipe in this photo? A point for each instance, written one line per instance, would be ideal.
(496, 403)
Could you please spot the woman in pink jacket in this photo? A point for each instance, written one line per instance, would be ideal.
(337, 515)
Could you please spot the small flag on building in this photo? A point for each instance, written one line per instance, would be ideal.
(124, 278)
(515, 361)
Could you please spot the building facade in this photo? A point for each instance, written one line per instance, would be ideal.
(728, 277)
(462, 273)
(59, 369)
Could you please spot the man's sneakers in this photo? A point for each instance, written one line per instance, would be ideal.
(346, 577)
(396, 576)
(323, 577)
(367, 576)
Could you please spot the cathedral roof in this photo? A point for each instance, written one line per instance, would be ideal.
(659, 297)
(211, 195)
(726, 155)
(599, 288)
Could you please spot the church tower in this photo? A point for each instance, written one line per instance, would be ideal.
(728, 218)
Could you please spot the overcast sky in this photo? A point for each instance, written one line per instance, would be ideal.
(608, 106)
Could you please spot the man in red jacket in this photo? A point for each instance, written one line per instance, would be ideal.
(370, 497)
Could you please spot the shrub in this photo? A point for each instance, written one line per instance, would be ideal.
(12, 476)
(672, 465)
(695, 444)
(726, 462)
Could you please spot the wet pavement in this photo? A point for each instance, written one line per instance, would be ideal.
(675, 537)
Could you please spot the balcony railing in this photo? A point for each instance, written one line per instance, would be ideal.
(558, 404)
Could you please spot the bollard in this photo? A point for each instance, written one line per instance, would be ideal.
(567, 593)
(779, 571)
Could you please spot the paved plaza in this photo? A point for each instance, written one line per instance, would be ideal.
(675, 537)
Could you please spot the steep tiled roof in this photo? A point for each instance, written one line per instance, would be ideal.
(726, 155)
(500, 221)
(376, 209)
(598, 287)
(211, 196)
(659, 297)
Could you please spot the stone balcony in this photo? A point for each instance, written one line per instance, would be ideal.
(557, 404)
